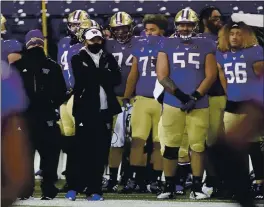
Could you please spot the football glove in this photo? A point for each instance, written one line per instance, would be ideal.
(189, 105)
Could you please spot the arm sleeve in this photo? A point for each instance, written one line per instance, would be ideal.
(59, 93)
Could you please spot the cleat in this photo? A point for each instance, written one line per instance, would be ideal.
(141, 189)
(110, 186)
(46, 198)
(208, 191)
(166, 195)
(154, 187)
(129, 187)
(180, 190)
(258, 191)
(95, 197)
(104, 182)
(168, 192)
(71, 195)
(197, 195)
(26, 198)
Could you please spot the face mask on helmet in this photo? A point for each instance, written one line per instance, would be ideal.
(73, 27)
(122, 34)
(186, 30)
(75, 20)
(186, 23)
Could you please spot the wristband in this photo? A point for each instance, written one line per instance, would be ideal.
(181, 96)
(196, 95)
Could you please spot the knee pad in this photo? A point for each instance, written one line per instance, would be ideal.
(171, 153)
(198, 147)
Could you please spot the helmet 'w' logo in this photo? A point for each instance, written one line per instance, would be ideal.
(94, 32)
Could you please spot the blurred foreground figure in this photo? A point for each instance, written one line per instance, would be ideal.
(241, 66)
(15, 166)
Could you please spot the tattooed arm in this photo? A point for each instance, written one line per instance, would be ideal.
(163, 72)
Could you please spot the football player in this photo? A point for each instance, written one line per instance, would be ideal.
(186, 69)
(210, 24)
(146, 110)
(75, 19)
(241, 66)
(67, 47)
(10, 49)
(121, 27)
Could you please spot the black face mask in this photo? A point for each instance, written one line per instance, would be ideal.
(95, 48)
(36, 54)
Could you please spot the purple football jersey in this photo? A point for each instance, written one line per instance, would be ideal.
(209, 36)
(73, 50)
(146, 51)
(242, 82)
(8, 47)
(124, 57)
(62, 57)
(187, 66)
(13, 98)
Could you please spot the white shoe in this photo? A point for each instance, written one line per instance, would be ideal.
(208, 191)
(166, 195)
(197, 195)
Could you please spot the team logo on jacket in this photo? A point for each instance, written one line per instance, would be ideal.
(45, 70)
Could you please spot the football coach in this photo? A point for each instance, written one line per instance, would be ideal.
(96, 73)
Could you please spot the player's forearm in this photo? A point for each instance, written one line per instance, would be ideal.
(130, 87)
(206, 85)
(169, 85)
(224, 84)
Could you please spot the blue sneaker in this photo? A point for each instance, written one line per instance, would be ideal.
(95, 197)
(71, 195)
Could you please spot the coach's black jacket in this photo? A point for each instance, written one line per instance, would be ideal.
(44, 85)
(89, 78)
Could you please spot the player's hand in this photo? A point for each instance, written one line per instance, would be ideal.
(189, 106)
(126, 103)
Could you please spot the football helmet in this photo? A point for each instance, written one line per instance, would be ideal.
(3, 26)
(75, 19)
(186, 23)
(89, 24)
(121, 26)
(95, 25)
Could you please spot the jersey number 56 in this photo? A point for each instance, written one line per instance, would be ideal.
(238, 74)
